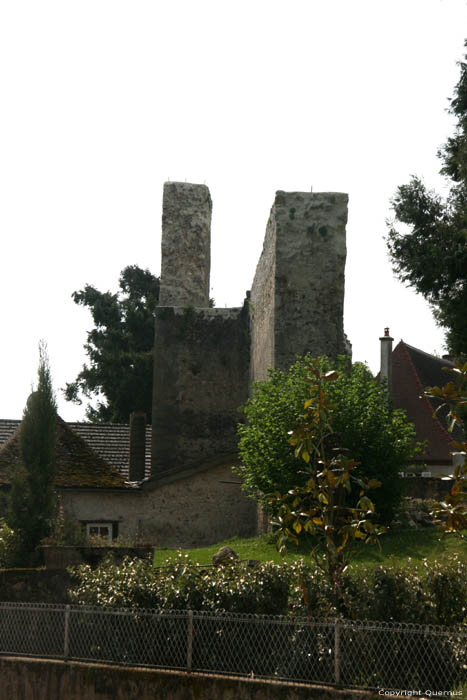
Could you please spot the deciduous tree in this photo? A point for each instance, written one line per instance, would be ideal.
(320, 507)
(379, 438)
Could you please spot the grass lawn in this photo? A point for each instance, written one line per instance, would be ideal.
(396, 547)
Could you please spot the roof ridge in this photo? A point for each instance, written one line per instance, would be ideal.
(448, 363)
(102, 425)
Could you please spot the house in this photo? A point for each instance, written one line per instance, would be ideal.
(408, 370)
(95, 480)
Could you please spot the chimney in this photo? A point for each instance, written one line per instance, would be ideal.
(386, 358)
(137, 446)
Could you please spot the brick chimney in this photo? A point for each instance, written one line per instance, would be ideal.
(386, 358)
(137, 445)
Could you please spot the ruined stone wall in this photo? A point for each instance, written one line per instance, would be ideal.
(186, 245)
(205, 359)
(262, 307)
(298, 289)
(200, 380)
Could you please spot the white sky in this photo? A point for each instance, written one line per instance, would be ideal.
(104, 100)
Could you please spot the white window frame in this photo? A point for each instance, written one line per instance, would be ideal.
(99, 525)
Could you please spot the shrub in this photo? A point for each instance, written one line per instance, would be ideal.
(66, 530)
(435, 593)
(182, 585)
(378, 437)
(9, 546)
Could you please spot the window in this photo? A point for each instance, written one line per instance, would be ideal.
(101, 530)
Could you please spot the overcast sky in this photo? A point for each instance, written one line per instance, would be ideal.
(103, 100)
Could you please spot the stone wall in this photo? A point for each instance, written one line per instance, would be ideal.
(34, 586)
(298, 291)
(263, 306)
(200, 381)
(176, 510)
(426, 487)
(43, 679)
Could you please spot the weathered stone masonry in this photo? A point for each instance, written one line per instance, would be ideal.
(205, 359)
(297, 295)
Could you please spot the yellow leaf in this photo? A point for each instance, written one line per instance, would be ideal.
(297, 526)
(374, 484)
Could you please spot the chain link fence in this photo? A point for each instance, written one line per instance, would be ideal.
(370, 655)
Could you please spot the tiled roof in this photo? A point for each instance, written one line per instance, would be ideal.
(412, 371)
(82, 445)
(7, 429)
(112, 442)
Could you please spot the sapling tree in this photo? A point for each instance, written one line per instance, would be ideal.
(319, 507)
(452, 511)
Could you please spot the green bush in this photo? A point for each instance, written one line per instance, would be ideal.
(435, 593)
(182, 585)
(432, 594)
(369, 656)
(9, 546)
(67, 531)
(378, 437)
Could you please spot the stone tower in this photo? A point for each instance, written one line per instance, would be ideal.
(298, 290)
(205, 359)
(201, 355)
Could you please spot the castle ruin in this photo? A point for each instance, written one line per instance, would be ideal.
(205, 359)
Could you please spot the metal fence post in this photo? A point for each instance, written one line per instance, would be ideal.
(66, 642)
(337, 651)
(189, 641)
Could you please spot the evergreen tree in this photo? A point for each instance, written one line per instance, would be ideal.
(432, 256)
(31, 499)
(119, 348)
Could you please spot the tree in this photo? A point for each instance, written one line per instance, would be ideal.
(453, 509)
(432, 255)
(119, 348)
(31, 499)
(379, 438)
(320, 506)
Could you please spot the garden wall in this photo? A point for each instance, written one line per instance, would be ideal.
(34, 586)
(38, 679)
(427, 487)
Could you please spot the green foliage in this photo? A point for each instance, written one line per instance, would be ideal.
(432, 255)
(432, 593)
(66, 531)
(379, 438)
(31, 500)
(182, 585)
(119, 348)
(453, 510)
(320, 507)
(9, 546)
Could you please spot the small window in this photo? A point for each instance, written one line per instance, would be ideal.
(101, 530)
